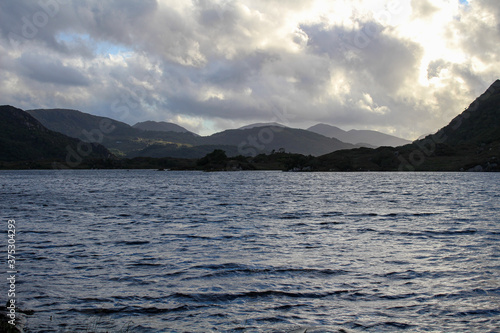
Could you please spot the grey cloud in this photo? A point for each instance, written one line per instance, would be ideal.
(42, 69)
(14, 14)
(423, 9)
(115, 20)
(119, 22)
(369, 52)
(392, 62)
(434, 68)
(473, 82)
(216, 108)
(26, 22)
(239, 72)
(182, 57)
(479, 27)
(490, 6)
(212, 14)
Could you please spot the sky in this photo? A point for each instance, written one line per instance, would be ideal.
(403, 67)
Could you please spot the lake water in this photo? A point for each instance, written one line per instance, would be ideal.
(148, 251)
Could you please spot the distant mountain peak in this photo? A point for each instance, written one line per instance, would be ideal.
(272, 124)
(325, 126)
(368, 138)
(160, 126)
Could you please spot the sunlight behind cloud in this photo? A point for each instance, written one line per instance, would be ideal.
(232, 62)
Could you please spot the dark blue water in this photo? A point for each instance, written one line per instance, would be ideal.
(146, 251)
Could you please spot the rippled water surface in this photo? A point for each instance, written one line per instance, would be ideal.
(147, 251)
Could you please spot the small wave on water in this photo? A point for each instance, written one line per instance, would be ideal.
(143, 251)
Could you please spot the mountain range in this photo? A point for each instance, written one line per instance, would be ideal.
(470, 141)
(365, 138)
(121, 141)
(162, 139)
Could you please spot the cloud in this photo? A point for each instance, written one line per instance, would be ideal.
(479, 29)
(404, 69)
(45, 70)
(423, 9)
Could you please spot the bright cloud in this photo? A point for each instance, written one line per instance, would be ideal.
(404, 67)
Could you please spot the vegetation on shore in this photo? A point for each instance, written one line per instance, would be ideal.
(445, 158)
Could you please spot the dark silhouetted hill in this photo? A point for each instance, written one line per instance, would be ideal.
(23, 138)
(470, 142)
(479, 124)
(122, 140)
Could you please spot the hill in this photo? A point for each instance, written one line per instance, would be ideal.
(23, 138)
(127, 141)
(367, 138)
(471, 141)
(257, 140)
(251, 142)
(160, 126)
(327, 130)
(122, 140)
(479, 124)
(261, 125)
